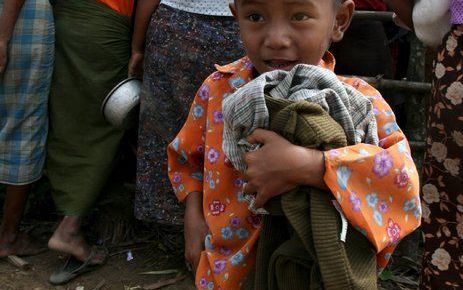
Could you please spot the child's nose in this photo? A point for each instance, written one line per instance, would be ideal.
(277, 38)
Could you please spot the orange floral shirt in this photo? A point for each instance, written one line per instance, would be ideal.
(376, 187)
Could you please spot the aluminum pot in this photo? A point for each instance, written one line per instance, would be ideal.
(121, 106)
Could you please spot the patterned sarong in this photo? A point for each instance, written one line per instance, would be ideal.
(24, 89)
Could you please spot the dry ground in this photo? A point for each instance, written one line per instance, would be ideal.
(118, 273)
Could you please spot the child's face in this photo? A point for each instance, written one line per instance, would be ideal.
(278, 34)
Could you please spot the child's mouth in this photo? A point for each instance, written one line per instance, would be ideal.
(280, 64)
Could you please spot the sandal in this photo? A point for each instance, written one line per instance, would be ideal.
(73, 267)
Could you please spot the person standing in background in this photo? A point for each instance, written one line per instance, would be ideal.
(92, 53)
(179, 42)
(26, 66)
(365, 51)
(442, 198)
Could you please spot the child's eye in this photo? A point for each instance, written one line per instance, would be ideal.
(255, 17)
(300, 17)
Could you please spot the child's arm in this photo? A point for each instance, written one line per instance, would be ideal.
(143, 12)
(377, 187)
(185, 155)
(195, 228)
(8, 17)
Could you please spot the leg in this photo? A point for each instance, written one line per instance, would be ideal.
(12, 242)
(68, 238)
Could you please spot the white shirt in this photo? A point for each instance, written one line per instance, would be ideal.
(204, 7)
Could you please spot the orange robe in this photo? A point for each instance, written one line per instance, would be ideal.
(121, 6)
(377, 187)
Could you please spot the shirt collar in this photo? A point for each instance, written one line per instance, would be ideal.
(327, 62)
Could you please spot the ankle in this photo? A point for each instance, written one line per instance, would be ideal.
(8, 236)
(69, 226)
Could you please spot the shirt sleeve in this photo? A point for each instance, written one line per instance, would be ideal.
(185, 154)
(377, 186)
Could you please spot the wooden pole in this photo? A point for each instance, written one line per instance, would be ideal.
(397, 85)
(417, 145)
(383, 16)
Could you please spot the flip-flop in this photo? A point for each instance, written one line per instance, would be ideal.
(73, 268)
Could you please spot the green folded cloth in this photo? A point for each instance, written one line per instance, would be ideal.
(299, 245)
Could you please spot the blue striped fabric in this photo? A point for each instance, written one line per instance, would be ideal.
(24, 89)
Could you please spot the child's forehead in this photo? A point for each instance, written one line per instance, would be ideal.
(308, 3)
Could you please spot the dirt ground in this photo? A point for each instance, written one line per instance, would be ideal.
(149, 247)
(117, 273)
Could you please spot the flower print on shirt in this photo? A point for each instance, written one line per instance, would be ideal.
(242, 233)
(216, 207)
(343, 174)
(393, 231)
(378, 217)
(238, 183)
(390, 128)
(236, 82)
(355, 201)
(401, 179)
(203, 92)
(383, 164)
(176, 143)
(213, 155)
(210, 286)
(227, 233)
(382, 206)
(237, 258)
(177, 178)
(219, 266)
(409, 205)
(254, 220)
(372, 199)
(225, 251)
(218, 117)
(208, 242)
(202, 282)
(198, 111)
(235, 222)
(216, 76)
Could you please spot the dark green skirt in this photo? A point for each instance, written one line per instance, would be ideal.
(92, 52)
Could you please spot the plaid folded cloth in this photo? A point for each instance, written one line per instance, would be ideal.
(246, 110)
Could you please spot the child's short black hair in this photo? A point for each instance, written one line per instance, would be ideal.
(336, 2)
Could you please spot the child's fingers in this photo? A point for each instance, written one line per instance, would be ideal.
(260, 200)
(249, 188)
(260, 136)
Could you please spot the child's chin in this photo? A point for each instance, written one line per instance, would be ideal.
(272, 68)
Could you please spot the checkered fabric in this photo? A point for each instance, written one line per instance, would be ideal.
(246, 110)
(24, 89)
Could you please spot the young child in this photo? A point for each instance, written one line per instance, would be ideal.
(377, 187)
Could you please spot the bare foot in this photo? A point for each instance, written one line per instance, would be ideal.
(70, 243)
(21, 245)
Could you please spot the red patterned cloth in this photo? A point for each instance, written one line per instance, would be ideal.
(377, 5)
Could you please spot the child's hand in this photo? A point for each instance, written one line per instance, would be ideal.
(195, 228)
(279, 166)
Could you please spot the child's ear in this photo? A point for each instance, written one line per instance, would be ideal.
(233, 9)
(343, 19)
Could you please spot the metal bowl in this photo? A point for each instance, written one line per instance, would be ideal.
(121, 106)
